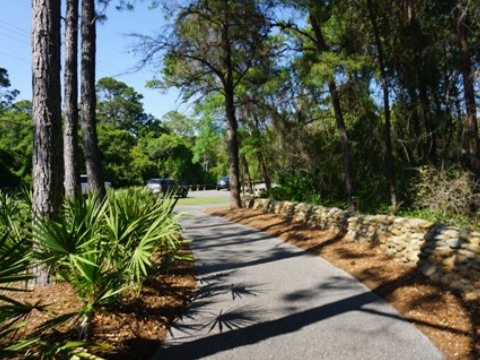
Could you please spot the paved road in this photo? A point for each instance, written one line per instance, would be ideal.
(208, 194)
(260, 298)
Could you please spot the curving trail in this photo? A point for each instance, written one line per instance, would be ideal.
(260, 298)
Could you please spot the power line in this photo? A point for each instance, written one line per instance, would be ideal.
(16, 33)
(13, 28)
(14, 38)
(15, 57)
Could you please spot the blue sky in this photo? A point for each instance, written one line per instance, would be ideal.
(113, 58)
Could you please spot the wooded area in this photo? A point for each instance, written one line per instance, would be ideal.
(344, 103)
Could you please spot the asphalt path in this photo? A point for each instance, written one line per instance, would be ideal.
(260, 298)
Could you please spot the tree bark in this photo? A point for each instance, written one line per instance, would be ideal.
(468, 88)
(89, 100)
(418, 150)
(229, 89)
(389, 165)
(232, 149)
(342, 130)
(47, 137)
(47, 152)
(70, 129)
(419, 67)
(247, 179)
(431, 143)
(261, 158)
(449, 128)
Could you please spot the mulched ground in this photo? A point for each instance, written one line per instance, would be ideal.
(450, 321)
(134, 330)
(137, 329)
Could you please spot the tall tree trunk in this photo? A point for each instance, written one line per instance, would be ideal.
(47, 137)
(254, 125)
(389, 165)
(232, 149)
(260, 154)
(89, 100)
(419, 67)
(342, 130)
(431, 143)
(230, 113)
(418, 149)
(246, 173)
(449, 130)
(468, 88)
(70, 129)
(347, 158)
(264, 170)
(47, 152)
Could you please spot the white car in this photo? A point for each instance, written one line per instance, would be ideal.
(86, 186)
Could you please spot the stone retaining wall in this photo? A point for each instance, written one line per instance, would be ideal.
(443, 254)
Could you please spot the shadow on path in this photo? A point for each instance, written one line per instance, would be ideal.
(216, 343)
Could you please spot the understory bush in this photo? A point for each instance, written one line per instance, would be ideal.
(444, 196)
(294, 188)
(103, 249)
(441, 196)
(448, 191)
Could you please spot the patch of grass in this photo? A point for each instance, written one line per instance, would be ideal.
(201, 201)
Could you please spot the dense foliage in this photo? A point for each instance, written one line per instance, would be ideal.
(350, 99)
(135, 146)
(382, 83)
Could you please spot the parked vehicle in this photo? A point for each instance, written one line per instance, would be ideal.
(164, 186)
(223, 183)
(86, 186)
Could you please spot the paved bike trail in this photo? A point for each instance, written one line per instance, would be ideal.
(260, 298)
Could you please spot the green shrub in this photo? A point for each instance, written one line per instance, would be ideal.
(295, 188)
(104, 249)
(138, 224)
(14, 266)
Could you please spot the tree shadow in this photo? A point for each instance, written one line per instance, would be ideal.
(250, 332)
(212, 286)
(228, 261)
(138, 348)
(387, 285)
(291, 229)
(234, 318)
(470, 307)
